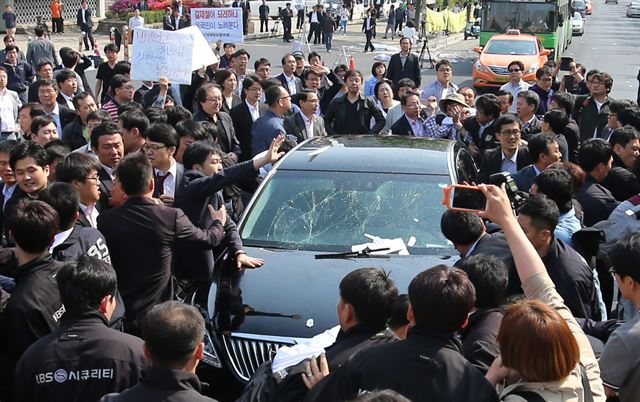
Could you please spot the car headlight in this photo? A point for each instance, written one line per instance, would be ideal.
(210, 355)
(478, 66)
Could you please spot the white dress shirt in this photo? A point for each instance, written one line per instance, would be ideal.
(308, 124)
(7, 192)
(169, 184)
(510, 164)
(291, 84)
(91, 213)
(255, 113)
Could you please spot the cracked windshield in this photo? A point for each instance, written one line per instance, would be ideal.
(314, 211)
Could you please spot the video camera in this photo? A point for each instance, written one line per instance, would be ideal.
(516, 196)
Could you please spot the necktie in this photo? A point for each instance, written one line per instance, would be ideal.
(160, 182)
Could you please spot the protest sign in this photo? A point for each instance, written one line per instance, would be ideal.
(224, 24)
(171, 54)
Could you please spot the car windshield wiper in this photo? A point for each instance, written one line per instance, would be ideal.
(366, 252)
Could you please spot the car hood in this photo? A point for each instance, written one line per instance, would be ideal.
(502, 60)
(294, 295)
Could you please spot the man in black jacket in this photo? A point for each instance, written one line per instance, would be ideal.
(511, 156)
(204, 179)
(83, 359)
(404, 64)
(592, 111)
(480, 130)
(490, 278)
(263, 11)
(596, 157)
(173, 341)
(144, 270)
(440, 300)
(538, 217)
(30, 315)
(339, 118)
(76, 133)
(366, 301)
(244, 114)
(106, 143)
(621, 181)
(83, 19)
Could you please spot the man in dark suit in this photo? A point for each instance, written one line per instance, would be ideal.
(106, 142)
(167, 20)
(526, 104)
(369, 28)
(47, 95)
(209, 97)
(9, 184)
(144, 270)
(315, 16)
(544, 151)
(263, 11)
(204, 181)
(410, 123)
(511, 156)
(246, 11)
(480, 129)
(469, 237)
(86, 24)
(410, 68)
(592, 111)
(596, 157)
(306, 123)
(161, 145)
(290, 82)
(81, 171)
(621, 181)
(244, 114)
(285, 15)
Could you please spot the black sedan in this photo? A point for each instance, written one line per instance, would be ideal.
(319, 207)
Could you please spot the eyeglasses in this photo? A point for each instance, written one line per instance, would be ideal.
(547, 79)
(214, 99)
(255, 89)
(285, 97)
(514, 70)
(595, 82)
(510, 132)
(445, 70)
(96, 178)
(154, 148)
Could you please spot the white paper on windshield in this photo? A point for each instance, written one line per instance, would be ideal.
(394, 245)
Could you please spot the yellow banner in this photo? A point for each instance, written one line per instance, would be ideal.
(453, 22)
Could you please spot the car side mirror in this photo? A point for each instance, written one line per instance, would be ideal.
(477, 49)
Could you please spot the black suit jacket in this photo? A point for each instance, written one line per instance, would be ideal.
(87, 16)
(198, 192)
(402, 127)
(597, 202)
(235, 101)
(66, 115)
(106, 184)
(283, 80)
(242, 124)
(17, 195)
(492, 162)
(167, 23)
(62, 101)
(531, 129)
(144, 266)
(622, 183)
(227, 138)
(179, 182)
(484, 141)
(525, 177)
(411, 69)
(72, 134)
(294, 125)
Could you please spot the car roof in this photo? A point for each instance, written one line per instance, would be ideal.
(523, 37)
(372, 153)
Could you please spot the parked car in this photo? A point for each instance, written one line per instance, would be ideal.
(580, 6)
(633, 9)
(325, 197)
(577, 24)
(490, 70)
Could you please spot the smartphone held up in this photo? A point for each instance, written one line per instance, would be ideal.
(460, 197)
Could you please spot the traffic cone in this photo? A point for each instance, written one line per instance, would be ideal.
(352, 63)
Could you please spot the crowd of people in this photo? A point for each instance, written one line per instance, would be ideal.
(110, 193)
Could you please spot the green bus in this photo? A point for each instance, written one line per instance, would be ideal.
(550, 20)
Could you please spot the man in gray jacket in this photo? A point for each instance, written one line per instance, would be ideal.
(41, 49)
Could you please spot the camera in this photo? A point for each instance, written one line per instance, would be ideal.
(515, 196)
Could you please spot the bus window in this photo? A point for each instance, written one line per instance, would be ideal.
(527, 17)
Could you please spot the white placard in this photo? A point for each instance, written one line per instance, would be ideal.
(172, 54)
(224, 24)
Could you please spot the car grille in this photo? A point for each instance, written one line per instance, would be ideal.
(246, 354)
(499, 70)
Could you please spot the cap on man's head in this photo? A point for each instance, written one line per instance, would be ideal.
(452, 98)
(298, 54)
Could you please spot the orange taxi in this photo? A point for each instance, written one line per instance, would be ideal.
(490, 70)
